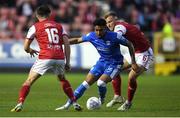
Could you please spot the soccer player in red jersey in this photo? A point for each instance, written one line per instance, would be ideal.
(50, 37)
(143, 55)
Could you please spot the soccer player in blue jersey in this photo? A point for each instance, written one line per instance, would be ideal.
(110, 61)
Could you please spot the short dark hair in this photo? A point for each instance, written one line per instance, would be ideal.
(99, 22)
(43, 11)
(111, 13)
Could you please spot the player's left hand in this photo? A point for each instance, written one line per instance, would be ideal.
(135, 67)
(33, 52)
(67, 67)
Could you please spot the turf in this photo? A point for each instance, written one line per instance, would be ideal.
(156, 96)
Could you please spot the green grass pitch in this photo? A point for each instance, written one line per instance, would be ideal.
(155, 96)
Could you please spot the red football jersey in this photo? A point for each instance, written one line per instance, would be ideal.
(49, 37)
(134, 35)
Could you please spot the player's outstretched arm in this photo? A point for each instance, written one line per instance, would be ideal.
(67, 51)
(27, 48)
(75, 40)
(132, 54)
(131, 51)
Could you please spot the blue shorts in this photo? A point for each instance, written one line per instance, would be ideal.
(104, 67)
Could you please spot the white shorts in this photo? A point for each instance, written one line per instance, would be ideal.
(42, 65)
(144, 59)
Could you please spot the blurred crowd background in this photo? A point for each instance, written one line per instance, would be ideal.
(158, 19)
(16, 16)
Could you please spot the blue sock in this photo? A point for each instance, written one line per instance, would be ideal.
(102, 91)
(81, 89)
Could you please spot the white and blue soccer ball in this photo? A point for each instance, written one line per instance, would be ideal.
(93, 103)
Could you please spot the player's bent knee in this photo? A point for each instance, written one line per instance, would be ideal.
(27, 83)
(101, 83)
(61, 77)
(30, 81)
(133, 80)
(85, 84)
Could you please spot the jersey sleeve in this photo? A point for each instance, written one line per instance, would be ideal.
(120, 28)
(31, 32)
(87, 37)
(121, 39)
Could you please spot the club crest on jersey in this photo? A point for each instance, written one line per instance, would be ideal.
(108, 43)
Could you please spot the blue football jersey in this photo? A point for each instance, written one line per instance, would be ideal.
(107, 46)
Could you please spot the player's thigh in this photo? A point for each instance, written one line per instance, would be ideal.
(98, 69)
(134, 75)
(32, 77)
(105, 78)
(90, 78)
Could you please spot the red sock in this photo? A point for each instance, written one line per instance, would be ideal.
(23, 93)
(131, 89)
(116, 82)
(67, 89)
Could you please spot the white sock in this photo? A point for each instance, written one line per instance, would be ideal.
(116, 96)
(68, 104)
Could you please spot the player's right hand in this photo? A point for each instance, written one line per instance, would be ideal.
(135, 67)
(67, 67)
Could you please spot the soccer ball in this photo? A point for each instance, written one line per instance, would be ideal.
(93, 103)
